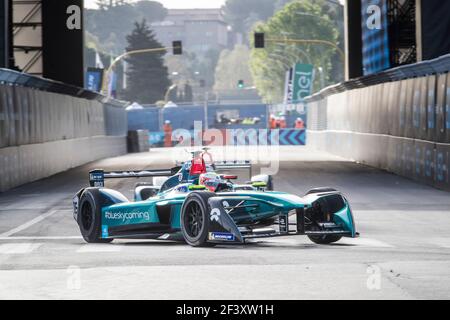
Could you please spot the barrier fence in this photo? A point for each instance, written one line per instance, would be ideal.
(242, 137)
(183, 121)
(47, 127)
(402, 126)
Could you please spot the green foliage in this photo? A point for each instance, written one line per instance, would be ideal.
(147, 77)
(205, 66)
(192, 68)
(114, 20)
(232, 67)
(302, 19)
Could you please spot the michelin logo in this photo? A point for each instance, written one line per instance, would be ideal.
(221, 236)
(124, 216)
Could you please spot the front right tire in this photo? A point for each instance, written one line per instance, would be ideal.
(325, 239)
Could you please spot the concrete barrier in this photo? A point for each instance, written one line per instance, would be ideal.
(402, 126)
(27, 163)
(423, 161)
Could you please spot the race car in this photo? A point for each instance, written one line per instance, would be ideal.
(197, 204)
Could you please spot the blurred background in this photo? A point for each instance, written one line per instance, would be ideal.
(218, 59)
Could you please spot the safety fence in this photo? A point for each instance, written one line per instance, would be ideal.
(47, 127)
(402, 126)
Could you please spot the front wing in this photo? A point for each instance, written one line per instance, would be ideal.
(223, 229)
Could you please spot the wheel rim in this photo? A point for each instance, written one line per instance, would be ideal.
(86, 216)
(193, 219)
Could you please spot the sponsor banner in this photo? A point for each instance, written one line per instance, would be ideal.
(303, 79)
(419, 161)
(375, 38)
(288, 86)
(447, 110)
(94, 79)
(408, 156)
(156, 138)
(440, 108)
(442, 172)
(429, 165)
(416, 107)
(431, 108)
(238, 137)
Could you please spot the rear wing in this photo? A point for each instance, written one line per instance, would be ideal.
(233, 165)
(97, 177)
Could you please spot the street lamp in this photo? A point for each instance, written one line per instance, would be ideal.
(166, 96)
(306, 14)
(176, 47)
(281, 59)
(296, 57)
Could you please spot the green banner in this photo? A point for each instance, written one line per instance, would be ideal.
(303, 81)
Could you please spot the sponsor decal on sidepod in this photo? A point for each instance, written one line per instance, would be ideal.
(124, 216)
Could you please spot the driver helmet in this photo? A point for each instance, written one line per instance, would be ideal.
(210, 180)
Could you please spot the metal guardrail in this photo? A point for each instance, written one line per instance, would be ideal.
(420, 69)
(34, 110)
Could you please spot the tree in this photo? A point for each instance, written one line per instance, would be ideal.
(304, 19)
(114, 20)
(106, 4)
(241, 15)
(147, 76)
(232, 67)
(335, 11)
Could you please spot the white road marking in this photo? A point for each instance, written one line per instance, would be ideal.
(365, 242)
(28, 224)
(18, 248)
(357, 242)
(43, 238)
(289, 241)
(440, 242)
(99, 248)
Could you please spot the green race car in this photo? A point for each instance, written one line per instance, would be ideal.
(197, 204)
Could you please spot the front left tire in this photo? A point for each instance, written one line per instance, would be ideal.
(89, 216)
(195, 218)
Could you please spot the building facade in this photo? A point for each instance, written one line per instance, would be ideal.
(200, 29)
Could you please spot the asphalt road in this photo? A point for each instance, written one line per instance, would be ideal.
(403, 251)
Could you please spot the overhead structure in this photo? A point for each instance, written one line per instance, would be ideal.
(384, 34)
(401, 16)
(43, 38)
(27, 36)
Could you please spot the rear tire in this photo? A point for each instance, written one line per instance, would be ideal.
(89, 216)
(195, 218)
(270, 184)
(325, 239)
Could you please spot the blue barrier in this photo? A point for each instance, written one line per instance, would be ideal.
(183, 117)
(144, 119)
(247, 137)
